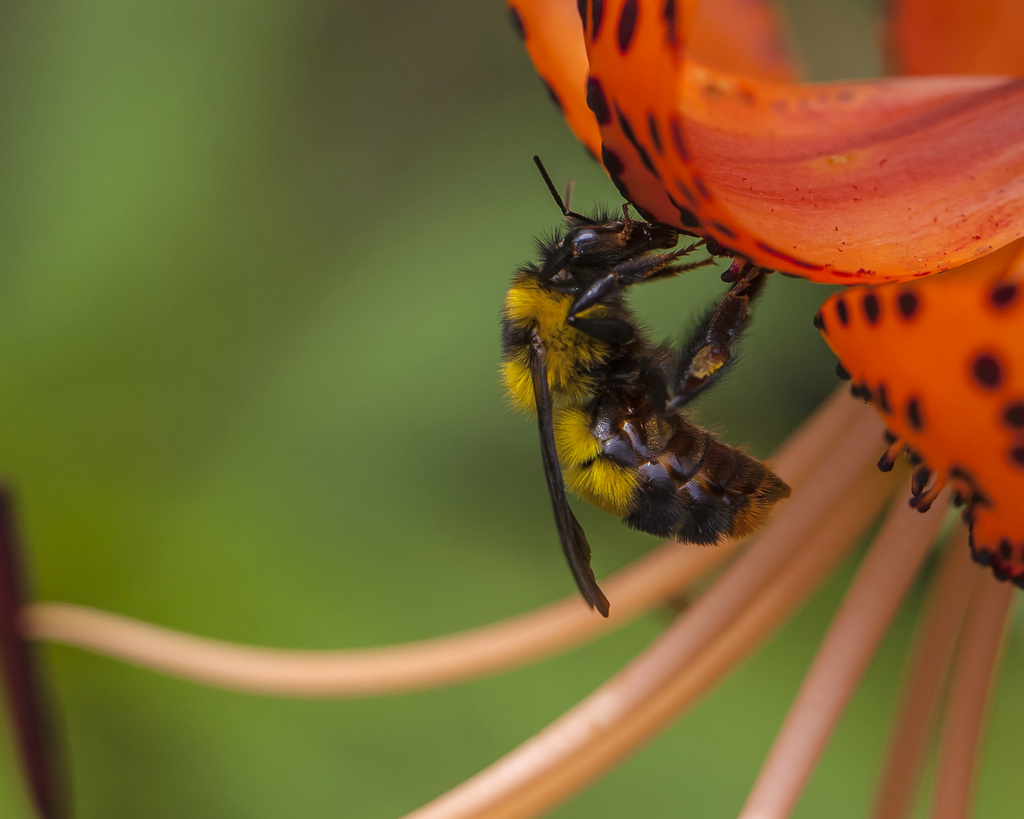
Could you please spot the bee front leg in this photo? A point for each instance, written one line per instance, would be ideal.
(613, 331)
(610, 330)
(711, 346)
(595, 294)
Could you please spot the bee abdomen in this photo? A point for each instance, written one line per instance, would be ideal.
(700, 490)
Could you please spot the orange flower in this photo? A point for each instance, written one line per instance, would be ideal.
(872, 180)
(693, 112)
(722, 111)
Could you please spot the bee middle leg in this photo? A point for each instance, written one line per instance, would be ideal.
(630, 272)
(711, 346)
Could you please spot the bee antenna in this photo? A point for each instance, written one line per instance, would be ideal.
(566, 212)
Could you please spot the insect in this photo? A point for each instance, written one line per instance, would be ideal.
(608, 400)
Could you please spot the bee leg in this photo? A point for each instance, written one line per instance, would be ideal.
(595, 294)
(660, 266)
(711, 346)
(608, 330)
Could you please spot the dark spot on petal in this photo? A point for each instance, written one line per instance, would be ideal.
(645, 158)
(655, 132)
(627, 128)
(987, 371)
(611, 161)
(668, 13)
(702, 189)
(627, 25)
(688, 195)
(882, 399)
(842, 312)
(597, 101)
(724, 230)
(871, 308)
(1005, 549)
(597, 17)
(1004, 294)
(627, 131)
(1013, 414)
(671, 30)
(907, 304)
(675, 127)
(581, 7)
(1017, 456)
(687, 218)
(819, 321)
(914, 415)
(793, 260)
(842, 373)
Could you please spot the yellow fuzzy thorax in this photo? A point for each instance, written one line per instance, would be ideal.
(570, 354)
(570, 357)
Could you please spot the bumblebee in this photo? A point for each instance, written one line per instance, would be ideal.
(608, 400)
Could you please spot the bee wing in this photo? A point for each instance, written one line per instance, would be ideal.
(570, 533)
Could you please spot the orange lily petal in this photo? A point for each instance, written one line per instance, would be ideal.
(942, 361)
(744, 36)
(835, 182)
(956, 37)
(553, 36)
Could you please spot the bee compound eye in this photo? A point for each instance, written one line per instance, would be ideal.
(581, 236)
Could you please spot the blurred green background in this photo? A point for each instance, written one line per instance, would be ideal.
(251, 262)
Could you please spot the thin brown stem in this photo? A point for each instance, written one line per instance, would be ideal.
(852, 639)
(493, 792)
(977, 660)
(499, 647)
(381, 670)
(925, 679)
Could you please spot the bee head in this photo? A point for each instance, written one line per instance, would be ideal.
(588, 251)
